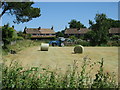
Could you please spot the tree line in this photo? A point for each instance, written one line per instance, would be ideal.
(99, 30)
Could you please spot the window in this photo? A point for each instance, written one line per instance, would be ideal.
(33, 34)
(47, 34)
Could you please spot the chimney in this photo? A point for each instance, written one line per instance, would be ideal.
(52, 28)
(39, 28)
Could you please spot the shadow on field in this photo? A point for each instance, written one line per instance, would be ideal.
(42, 50)
(75, 53)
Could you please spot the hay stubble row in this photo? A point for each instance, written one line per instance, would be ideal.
(61, 57)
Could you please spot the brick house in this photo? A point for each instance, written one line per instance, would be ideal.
(37, 33)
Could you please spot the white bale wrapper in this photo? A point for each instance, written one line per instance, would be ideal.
(44, 46)
(79, 49)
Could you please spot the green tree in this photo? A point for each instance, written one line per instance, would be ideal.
(76, 24)
(111, 23)
(60, 33)
(8, 35)
(115, 37)
(73, 37)
(23, 11)
(114, 23)
(99, 33)
(28, 36)
(89, 35)
(20, 33)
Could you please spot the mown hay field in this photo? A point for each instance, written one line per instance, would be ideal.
(61, 57)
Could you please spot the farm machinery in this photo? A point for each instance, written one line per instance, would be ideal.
(59, 42)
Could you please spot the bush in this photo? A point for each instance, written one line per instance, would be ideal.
(82, 42)
(115, 37)
(113, 43)
(73, 37)
(15, 76)
(20, 45)
(20, 38)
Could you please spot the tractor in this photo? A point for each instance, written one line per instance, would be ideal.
(58, 42)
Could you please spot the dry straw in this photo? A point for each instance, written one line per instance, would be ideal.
(78, 49)
(44, 46)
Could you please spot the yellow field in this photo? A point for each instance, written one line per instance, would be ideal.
(60, 57)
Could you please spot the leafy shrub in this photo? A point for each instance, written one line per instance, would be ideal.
(115, 37)
(20, 38)
(73, 37)
(15, 76)
(113, 43)
(23, 44)
(20, 45)
(82, 42)
(103, 79)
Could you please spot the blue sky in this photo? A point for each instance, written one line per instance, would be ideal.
(59, 14)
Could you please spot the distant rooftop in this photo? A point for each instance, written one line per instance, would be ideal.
(76, 31)
(39, 31)
(114, 30)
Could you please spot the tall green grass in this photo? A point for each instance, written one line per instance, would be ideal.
(15, 76)
(20, 45)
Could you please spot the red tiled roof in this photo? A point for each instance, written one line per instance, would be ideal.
(39, 31)
(76, 31)
(47, 31)
(32, 31)
(85, 30)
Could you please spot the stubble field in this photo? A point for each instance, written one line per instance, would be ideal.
(61, 57)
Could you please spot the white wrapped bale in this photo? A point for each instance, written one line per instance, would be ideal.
(78, 49)
(44, 46)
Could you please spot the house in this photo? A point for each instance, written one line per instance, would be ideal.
(76, 32)
(83, 31)
(38, 33)
(114, 31)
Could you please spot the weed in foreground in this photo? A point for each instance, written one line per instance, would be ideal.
(15, 76)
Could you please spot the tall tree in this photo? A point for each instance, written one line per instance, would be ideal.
(76, 24)
(60, 33)
(114, 23)
(99, 33)
(23, 11)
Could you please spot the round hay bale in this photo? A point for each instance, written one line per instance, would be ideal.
(44, 46)
(78, 49)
